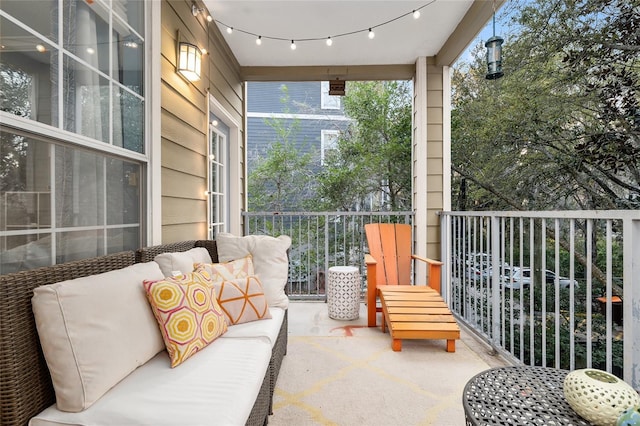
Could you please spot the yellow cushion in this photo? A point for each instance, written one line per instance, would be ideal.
(188, 313)
(239, 268)
(242, 300)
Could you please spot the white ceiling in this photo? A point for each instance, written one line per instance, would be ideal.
(398, 42)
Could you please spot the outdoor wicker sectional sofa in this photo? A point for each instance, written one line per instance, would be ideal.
(27, 390)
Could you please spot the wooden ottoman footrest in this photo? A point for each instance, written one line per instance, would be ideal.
(417, 312)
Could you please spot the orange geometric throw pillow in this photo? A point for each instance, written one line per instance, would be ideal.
(187, 312)
(239, 268)
(242, 300)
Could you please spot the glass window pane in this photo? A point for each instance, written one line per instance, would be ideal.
(31, 11)
(25, 203)
(21, 252)
(123, 192)
(76, 245)
(128, 120)
(24, 183)
(87, 96)
(130, 11)
(79, 188)
(123, 239)
(128, 61)
(86, 32)
(26, 74)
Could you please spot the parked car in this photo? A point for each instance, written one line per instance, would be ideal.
(513, 278)
(521, 278)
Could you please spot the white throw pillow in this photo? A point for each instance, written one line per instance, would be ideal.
(94, 331)
(270, 261)
(181, 261)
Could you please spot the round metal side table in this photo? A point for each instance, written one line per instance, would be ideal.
(520, 395)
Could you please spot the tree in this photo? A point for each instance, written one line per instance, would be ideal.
(373, 156)
(561, 129)
(282, 179)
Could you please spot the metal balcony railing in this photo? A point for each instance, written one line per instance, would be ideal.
(319, 241)
(558, 289)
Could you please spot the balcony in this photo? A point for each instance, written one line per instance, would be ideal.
(574, 315)
(342, 372)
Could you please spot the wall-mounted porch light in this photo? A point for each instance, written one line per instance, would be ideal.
(494, 53)
(189, 60)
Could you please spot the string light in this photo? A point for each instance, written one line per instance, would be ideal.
(328, 40)
(195, 11)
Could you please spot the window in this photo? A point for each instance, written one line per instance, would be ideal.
(218, 180)
(78, 205)
(327, 101)
(98, 92)
(328, 142)
(76, 67)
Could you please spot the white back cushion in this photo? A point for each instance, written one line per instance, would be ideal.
(96, 330)
(270, 261)
(181, 261)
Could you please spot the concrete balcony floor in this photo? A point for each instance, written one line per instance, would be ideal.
(344, 373)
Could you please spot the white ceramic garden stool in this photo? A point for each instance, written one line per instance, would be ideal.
(343, 292)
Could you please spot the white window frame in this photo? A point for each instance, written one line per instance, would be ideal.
(218, 187)
(328, 141)
(56, 136)
(327, 101)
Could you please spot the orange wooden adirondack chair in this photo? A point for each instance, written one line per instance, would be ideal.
(389, 262)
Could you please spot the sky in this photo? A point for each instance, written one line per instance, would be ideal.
(486, 33)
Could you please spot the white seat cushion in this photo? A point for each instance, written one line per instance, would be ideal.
(216, 386)
(269, 327)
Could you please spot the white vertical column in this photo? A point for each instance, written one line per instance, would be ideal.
(419, 164)
(153, 135)
(631, 300)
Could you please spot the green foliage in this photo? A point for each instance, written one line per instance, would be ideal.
(522, 341)
(282, 180)
(560, 130)
(374, 155)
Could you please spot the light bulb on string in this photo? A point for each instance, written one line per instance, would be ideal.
(416, 13)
